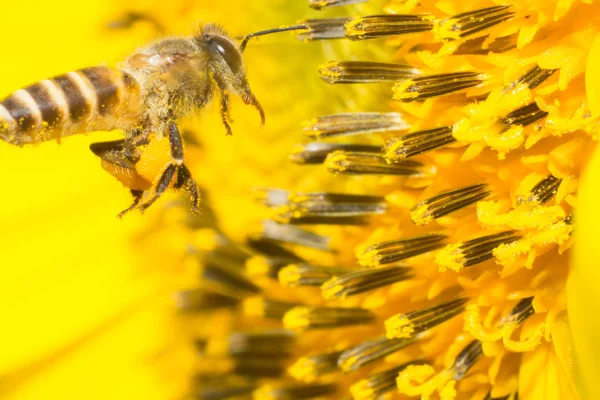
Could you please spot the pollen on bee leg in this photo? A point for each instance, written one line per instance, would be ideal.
(309, 369)
(304, 318)
(356, 282)
(424, 87)
(286, 391)
(376, 385)
(361, 163)
(317, 152)
(360, 123)
(392, 251)
(411, 144)
(463, 25)
(376, 26)
(372, 350)
(308, 275)
(414, 322)
(323, 28)
(465, 254)
(430, 209)
(365, 72)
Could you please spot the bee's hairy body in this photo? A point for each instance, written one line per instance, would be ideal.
(146, 96)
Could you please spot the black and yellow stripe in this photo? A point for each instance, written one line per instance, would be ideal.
(76, 102)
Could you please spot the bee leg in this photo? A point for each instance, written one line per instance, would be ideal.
(137, 197)
(225, 113)
(184, 179)
(173, 170)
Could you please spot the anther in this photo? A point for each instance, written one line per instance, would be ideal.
(424, 87)
(317, 152)
(354, 124)
(412, 323)
(309, 369)
(201, 300)
(353, 283)
(466, 359)
(534, 77)
(365, 72)
(324, 28)
(321, 4)
(543, 191)
(475, 251)
(294, 235)
(523, 116)
(359, 163)
(329, 208)
(466, 24)
(216, 270)
(259, 306)
(507, 397)
(274, 344)
(371, 351)
(396, 250)
(520, 312)
(294, 391)
(411, 144)
(376, 385)
(221, 388)
(308, 275)
(305, 318)
(376, 26)
(430, 209)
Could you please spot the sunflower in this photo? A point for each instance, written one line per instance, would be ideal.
(400, 228)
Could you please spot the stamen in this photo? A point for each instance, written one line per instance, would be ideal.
(215, 269)
(430, 209)
(376, 26)
(466, 359)
(324, 28)
(354, 124)
(395, 250)
(544, 191)
(412, 323)
(365, 72)
(376, 385)
(294, 235)
(270, 248)
(472, 252)
(480, 45)
(411, 144)
(294, 391)
(221, 388)
(316, 152)
(274, 257)
(262, 307)
(201, 300)
(305, 318)
(507, 397)
(330, 208)
(353, 283)
(523, 116)
(520, 312)
(358, 163)
(321, 4)
(276, 343)
(371, 351)
(307, 275)
(533, 78)
(424, 87)
(309, 369)
(469, 23)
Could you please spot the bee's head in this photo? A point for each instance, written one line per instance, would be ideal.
(226, 64)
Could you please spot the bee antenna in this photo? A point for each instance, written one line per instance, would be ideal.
(269, 31)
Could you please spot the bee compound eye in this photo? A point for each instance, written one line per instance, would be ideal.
(227, 50)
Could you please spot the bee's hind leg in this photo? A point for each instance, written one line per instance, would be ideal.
(137, 197)
(174, 170)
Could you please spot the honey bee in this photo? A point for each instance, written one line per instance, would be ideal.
(145, 97)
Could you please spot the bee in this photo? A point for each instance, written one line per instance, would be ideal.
(145, 97)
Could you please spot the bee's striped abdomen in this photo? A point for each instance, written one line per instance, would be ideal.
(90, 99)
